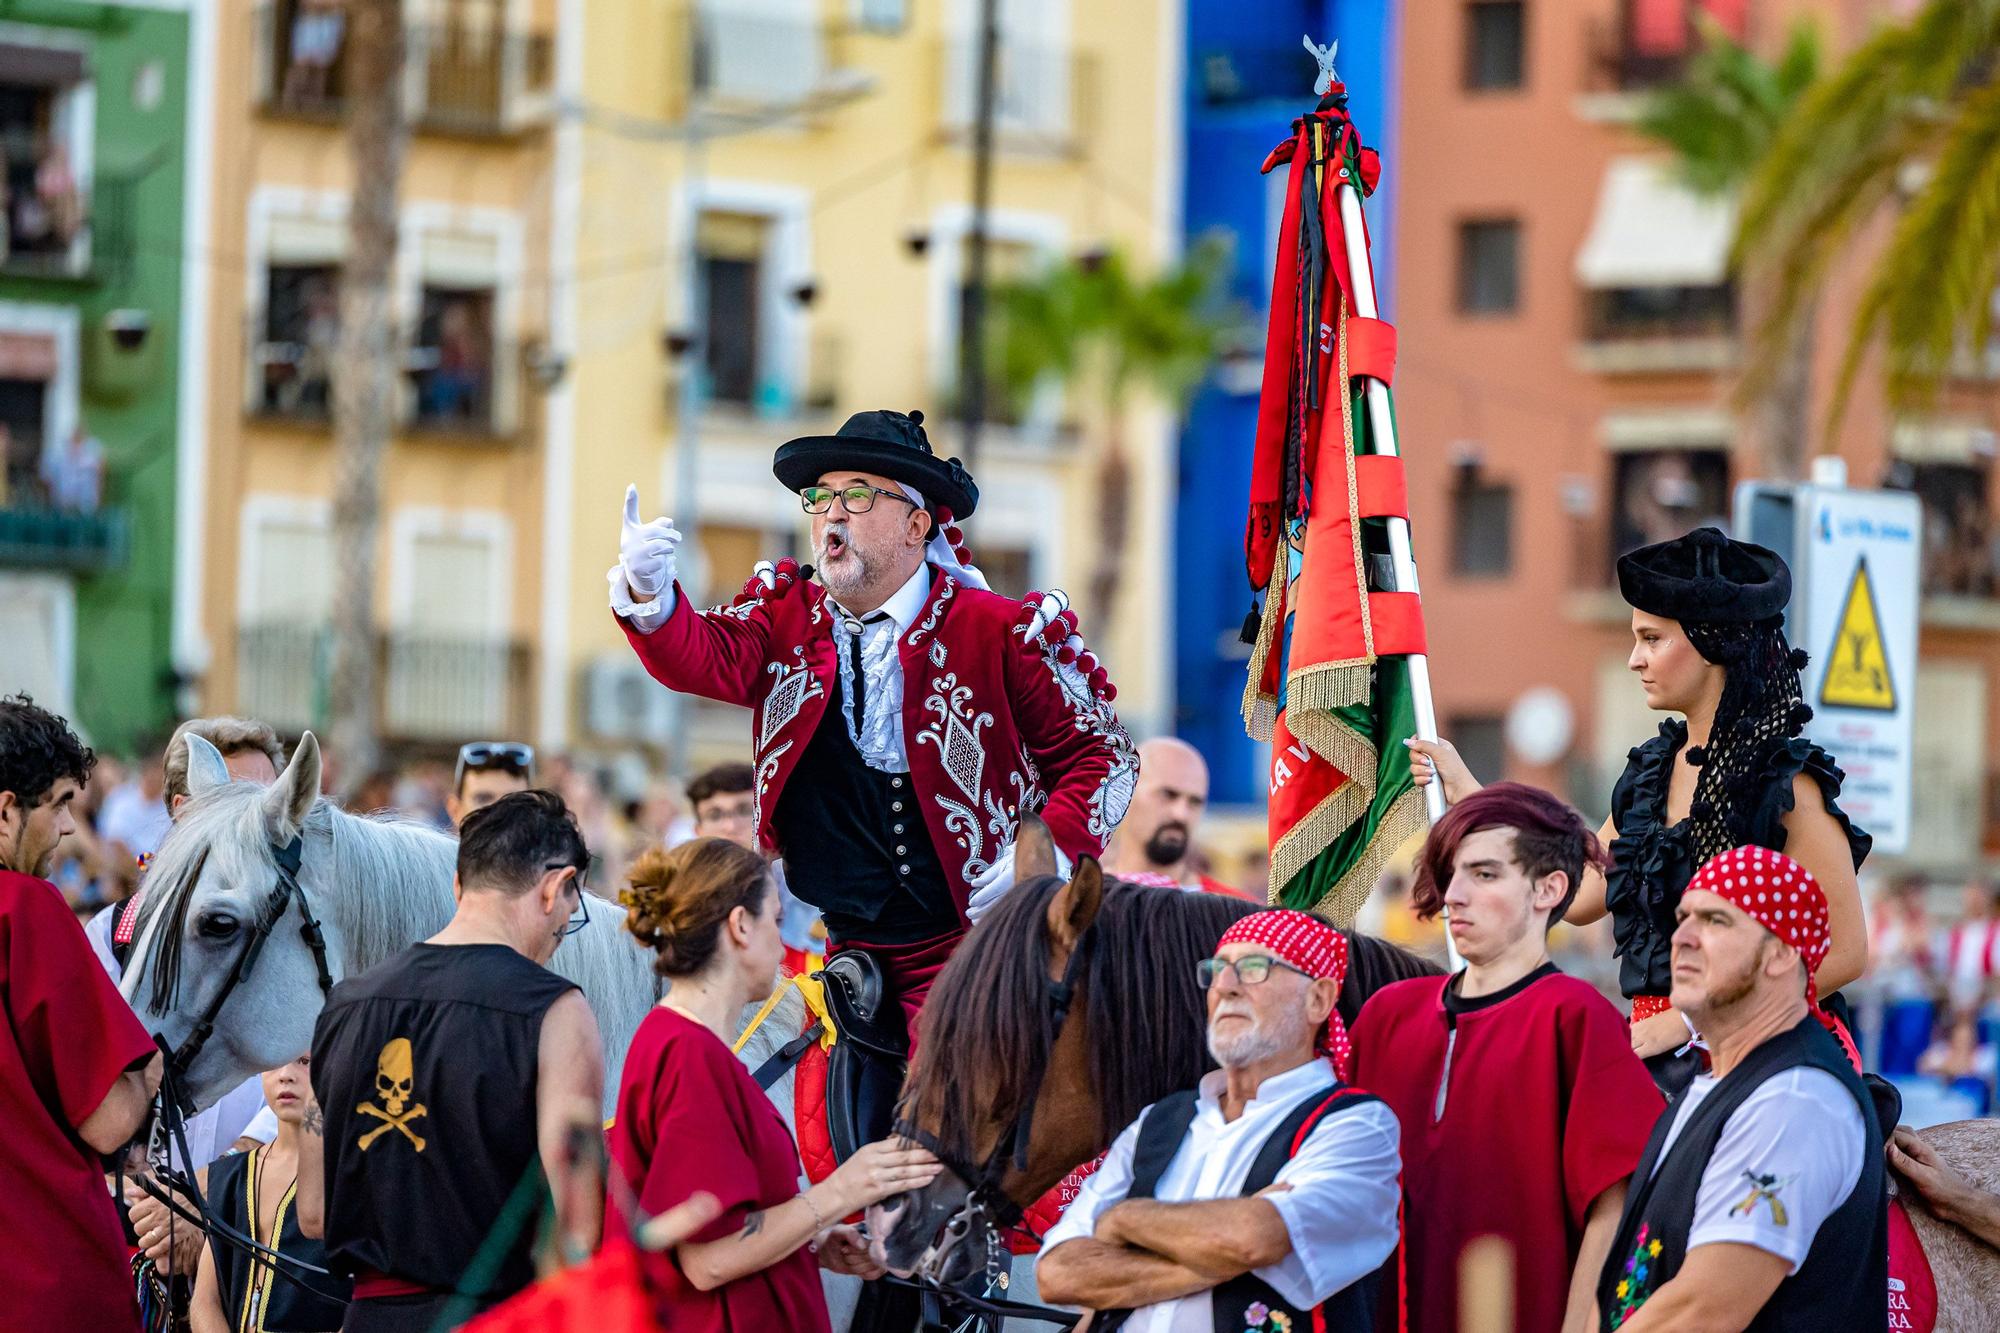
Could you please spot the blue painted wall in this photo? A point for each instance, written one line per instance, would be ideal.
(1248, 76)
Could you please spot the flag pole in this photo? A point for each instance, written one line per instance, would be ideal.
(1382, 422)
(1383, 435)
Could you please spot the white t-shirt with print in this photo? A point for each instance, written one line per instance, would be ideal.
(1787, 1159)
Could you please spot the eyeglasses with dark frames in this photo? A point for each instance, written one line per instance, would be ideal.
(1252, 970)
(581, 917)
(854, 499)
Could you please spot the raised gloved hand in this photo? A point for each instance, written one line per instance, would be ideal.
(989, 888)
(646, 550)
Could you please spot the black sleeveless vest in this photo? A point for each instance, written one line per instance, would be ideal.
(425, 1068)
(1165, 1127)
(315, 1303)
(1844, 1282)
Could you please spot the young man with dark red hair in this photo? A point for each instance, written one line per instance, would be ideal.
(1523, 1109)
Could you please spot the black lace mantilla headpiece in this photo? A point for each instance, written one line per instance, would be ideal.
(1729, 598)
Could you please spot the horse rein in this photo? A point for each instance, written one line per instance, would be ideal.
(987, 1202)
(289, 857)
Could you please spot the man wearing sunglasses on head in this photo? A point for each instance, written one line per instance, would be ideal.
(1265, 1197)
(446, 1075)
(488, 770)
(905, 715)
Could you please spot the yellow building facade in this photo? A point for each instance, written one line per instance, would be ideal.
(461, 554)
(648, 241)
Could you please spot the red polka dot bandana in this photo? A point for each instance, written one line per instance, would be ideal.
(1780, 894)
(1310, 945)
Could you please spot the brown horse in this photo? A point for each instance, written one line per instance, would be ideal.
(1966, 1269)
(1014, 1087)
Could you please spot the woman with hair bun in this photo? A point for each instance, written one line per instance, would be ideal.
(1708, 643)
(691, 1120)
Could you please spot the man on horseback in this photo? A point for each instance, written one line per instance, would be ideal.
(1265, 1198)
(906, 717)
(1760, 1199)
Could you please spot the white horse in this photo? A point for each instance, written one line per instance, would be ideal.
(377, 885)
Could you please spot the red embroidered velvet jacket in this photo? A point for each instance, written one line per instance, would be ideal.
(994, 722)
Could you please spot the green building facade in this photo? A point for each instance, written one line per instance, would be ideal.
(94, 147)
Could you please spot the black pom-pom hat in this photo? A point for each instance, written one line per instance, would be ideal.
(1706, 576)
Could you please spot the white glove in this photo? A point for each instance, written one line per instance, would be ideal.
(988, 889)
(646, 550)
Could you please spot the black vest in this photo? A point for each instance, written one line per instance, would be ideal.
(425, 1068)
(856, 845)
(1161, 1133)
(314, 1303)
(1844, 1282)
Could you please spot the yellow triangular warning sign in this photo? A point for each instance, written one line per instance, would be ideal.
(1857, 665)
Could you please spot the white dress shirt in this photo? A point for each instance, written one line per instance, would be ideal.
(880, 735)
(1340, 1210)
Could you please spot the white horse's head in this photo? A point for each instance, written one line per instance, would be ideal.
(214, 887)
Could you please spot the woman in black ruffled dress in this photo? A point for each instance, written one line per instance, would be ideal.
(1709, 644)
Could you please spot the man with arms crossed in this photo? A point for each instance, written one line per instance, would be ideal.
(1272, 1185)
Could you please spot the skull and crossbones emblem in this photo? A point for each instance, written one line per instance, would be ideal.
(395, 1076)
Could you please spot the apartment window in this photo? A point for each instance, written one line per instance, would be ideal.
(1489, 266)
(730, 250)
(44, 206)
(308, 55)
(1010, 569)
(23, 423)
(1494, 33)
(452, 362)
(1006, 262)
(1622, 313)
(301, 331)
(1482, 533)
(1482, 742)
(1658, 494)
(1958, 524)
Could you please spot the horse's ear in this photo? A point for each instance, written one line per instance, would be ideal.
(1073, 908)
(206, 768)
(1034, 849)
(292, 796)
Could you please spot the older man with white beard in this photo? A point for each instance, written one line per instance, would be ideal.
(1265, 1198)
(906, 717)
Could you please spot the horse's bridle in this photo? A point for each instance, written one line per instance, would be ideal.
(287, 888)
(987, 1203)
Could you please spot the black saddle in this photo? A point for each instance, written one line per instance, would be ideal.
(864, 1073)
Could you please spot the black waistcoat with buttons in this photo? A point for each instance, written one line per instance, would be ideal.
(856, 846)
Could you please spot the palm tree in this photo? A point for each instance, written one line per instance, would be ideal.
(1720, 120)
(364, 376)
(1911, 117)
(1092, 324)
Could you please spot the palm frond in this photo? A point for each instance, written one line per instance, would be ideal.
(1932, 292)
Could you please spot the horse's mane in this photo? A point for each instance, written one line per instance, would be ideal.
(402, 864)
(1149, 1020)
(1372, 964)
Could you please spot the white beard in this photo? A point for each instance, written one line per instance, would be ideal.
(1260, 1042)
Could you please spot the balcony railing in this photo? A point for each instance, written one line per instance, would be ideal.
(1619, 61)
(35, 537)
(465, 75)
(432, 687)
(88, 233)
(291, 381)
(1628, 314)
(1045, 94)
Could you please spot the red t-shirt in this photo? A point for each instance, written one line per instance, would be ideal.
(66, 1034)
(1546, 1108)
(691, 1119)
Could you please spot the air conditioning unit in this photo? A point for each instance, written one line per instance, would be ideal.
(622, 703)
